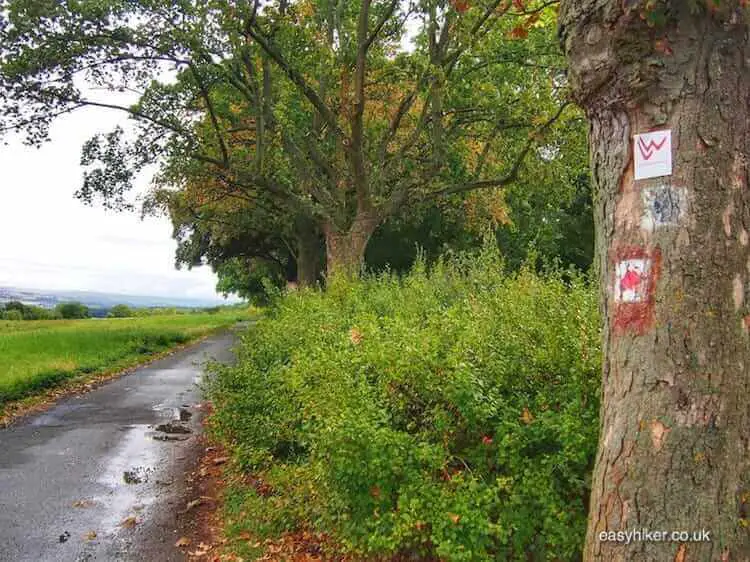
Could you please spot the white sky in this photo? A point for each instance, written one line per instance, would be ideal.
(50, 240)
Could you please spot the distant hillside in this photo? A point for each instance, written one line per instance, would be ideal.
(92, 299)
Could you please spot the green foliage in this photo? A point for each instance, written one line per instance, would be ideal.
(15, 310)
(273, 126)
(72, 310)
(13, 315)
(248, 279)
(121, 311)
(450, 414)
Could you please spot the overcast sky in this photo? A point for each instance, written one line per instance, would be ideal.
(49, 240)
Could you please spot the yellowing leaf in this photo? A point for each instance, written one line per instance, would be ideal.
(526, 416)
(355, 336)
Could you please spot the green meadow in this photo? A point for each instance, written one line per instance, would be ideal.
(35, 355)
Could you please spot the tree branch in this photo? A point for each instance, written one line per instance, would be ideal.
(536, 10)
(299, 81)
(512, 175)
(357, 120)
(403, 108)
(212, 115)
(379, 26)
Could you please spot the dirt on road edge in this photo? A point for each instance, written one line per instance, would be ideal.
(202, 536)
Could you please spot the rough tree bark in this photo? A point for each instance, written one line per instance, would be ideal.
(674, 449)
(345, 249)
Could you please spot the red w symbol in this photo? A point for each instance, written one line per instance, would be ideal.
(648, 149)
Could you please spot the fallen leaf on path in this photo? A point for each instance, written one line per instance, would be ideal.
(90, 536)
(203, 549)
(182, 541)
(129, 522)
(83, 503)
(191, 504)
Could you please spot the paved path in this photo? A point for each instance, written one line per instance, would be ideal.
(93, 461)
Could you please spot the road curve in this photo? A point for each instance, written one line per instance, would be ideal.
(71, 476)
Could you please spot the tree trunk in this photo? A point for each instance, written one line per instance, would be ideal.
(673, 256)
(345, 251)
(309, 262)
(308, 252)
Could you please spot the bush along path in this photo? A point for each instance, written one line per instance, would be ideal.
(449, 414)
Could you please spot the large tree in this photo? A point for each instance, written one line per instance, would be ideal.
(674, 263)
(344, 111)
(212, 228)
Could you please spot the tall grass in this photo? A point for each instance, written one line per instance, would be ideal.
(39, 354)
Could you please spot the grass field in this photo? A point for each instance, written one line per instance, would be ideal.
(35, 355)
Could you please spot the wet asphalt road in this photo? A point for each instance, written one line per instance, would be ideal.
(93, 461)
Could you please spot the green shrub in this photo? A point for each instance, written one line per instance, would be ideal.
(72, 310)
(450, 414)
(37, 313)
(121, 311)
(15, 310)
(13, 314)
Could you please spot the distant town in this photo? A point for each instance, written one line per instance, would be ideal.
(96, 301)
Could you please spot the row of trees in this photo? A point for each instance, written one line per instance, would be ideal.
(15, 310)
(297, 138)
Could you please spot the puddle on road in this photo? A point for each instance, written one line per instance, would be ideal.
(174, 413)
(126, 477)
(132, 474)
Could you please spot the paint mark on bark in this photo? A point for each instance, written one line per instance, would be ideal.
(636, 273)
(659, 433)
(653, 154)
(632, 280)
(681, 553)
(738, 291)
(663, 205)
